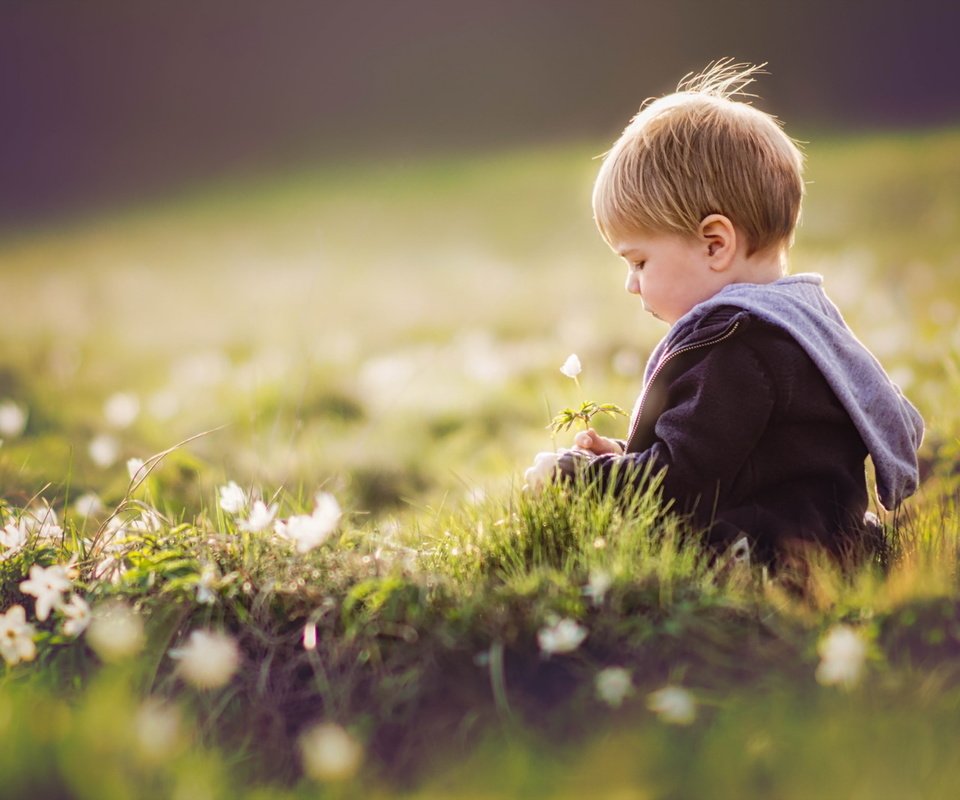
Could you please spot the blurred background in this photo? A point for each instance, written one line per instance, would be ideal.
(106, 102)
(358, 234)
(347, 244)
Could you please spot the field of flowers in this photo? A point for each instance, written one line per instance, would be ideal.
(262, 532)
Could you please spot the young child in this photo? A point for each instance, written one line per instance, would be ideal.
(760, 404)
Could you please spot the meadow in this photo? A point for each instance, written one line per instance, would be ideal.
(261, 466)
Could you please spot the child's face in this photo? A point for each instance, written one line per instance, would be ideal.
(670, 273)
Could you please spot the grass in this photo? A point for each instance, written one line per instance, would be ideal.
(392, 334)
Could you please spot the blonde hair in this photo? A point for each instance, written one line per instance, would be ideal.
(698, 152)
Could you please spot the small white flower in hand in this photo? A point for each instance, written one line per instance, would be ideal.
(261, 517)
(673, 704)
(541, 473)
(572, 367)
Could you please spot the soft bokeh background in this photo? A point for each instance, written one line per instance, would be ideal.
(358, 234)
(106, 101)
(353, 241)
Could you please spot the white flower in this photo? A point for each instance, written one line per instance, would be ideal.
(598, 586)
(571, 367)
(116, 631)
(260, 518)
(312, 531)
(157, 730)
(88, 504)
(78, 615)
(109, 550)
(330, 753)
(104, 450)
(613, 684)
(14, 538)
(328, 510)
(121, 409)
(673, 704)
(41, 521)
(232, 498)
(110, 567)
(145, 520)
(208, 659)
(148, 521)
(135, 467)
(16, 636)
(843, 652)
(13, 419)
(47, 584)
(303, 530)
(541, 473)
(563, 636)
(207, 584)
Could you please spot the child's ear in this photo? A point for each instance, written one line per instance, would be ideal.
(719, 239)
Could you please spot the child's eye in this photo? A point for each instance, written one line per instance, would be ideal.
(638, 265)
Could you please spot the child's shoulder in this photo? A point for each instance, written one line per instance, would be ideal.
(772, 342)
(746, 340)
(734, 323)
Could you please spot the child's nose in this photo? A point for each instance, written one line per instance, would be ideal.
(633, 283)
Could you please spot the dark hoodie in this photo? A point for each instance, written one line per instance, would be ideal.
(762, 406)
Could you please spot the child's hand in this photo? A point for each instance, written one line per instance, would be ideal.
(541, 473)
(593, 442)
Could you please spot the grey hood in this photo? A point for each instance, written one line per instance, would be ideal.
(890, 426)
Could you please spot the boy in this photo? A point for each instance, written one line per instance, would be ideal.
(760, 404)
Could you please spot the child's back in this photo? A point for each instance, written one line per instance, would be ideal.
(760, 404)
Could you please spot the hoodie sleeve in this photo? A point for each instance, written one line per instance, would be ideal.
(716, 403)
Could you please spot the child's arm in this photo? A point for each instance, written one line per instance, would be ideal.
(713, 406)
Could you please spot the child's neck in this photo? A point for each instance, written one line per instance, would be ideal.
(765, 266)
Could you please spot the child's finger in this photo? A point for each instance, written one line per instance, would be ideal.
(584, 440)
(590, 440)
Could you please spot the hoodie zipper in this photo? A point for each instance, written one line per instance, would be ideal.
(726, 334)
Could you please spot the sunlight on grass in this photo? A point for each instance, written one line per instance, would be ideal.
(339, 582)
